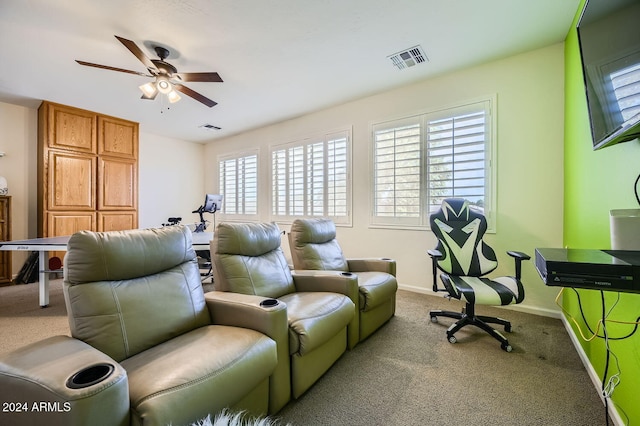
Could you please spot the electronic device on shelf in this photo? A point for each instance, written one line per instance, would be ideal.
(609, 270)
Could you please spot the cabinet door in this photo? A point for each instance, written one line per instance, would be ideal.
(117, 184)
(67, 223)
(72, 181)
(71, 128)
(117, 221)
(117, 138)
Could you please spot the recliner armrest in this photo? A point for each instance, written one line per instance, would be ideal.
(333, 281)
(378, 264)
(62, 374)
(244, 310)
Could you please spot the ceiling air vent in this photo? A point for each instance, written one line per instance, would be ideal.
(210, 127)
(408, 58)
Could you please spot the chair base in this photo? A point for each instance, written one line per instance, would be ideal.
(468, 317)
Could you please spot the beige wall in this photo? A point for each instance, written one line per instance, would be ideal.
(18, 136)
(171, 180)
(529, 91)
(171, 175)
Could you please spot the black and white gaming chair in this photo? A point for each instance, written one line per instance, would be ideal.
(464, 258)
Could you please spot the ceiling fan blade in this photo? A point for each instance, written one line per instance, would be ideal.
(195, 95)
(133, 48)
(149, 98)
(105, 67)
(199, 76)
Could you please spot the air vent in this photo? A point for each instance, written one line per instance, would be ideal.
(210, 127)
(408, 58)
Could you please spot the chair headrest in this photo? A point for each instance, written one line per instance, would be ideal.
(120, 255)
(313, 231)
(247, 239)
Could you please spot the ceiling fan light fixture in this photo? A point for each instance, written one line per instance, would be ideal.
(173, 96)
(163, 85)
(149, 90)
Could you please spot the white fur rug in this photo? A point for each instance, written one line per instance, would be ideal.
(226, 418)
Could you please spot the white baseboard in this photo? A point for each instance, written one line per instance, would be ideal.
(595, 379)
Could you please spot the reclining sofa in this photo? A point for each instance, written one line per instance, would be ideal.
(146, 346)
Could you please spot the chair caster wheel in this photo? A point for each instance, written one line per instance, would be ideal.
(452, 339)
(506, 347)
(434, 319)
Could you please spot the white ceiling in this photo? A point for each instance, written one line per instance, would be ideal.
(278, 58)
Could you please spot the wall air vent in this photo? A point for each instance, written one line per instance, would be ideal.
(408, 58)
(210, 127)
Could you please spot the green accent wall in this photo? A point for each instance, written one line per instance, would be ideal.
(594, 183)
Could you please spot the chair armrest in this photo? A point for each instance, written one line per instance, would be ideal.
(518, 256)
(84, 385)
(435, 256)
(335, 282)
(379, 264)
(332, 281)
(244, 310)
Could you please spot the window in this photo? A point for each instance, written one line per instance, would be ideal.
(418, 161)
(311, 178)
(239, 184)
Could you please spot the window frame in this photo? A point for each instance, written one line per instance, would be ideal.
(421, 222)
(238, 156)
(303, 144)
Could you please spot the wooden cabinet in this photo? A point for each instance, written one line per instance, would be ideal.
(87, 171)
(5, 235)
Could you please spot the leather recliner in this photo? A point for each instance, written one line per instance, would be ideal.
(314, 246)
(144, 349)
(248, 259)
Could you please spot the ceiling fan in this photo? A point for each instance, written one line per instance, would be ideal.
(167, 77)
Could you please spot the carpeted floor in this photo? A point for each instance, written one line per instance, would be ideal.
(407, 373)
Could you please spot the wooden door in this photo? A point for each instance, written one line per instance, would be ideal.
(65, 223)
(72, 181)
(70, 128)
(117, 221)
(117, 138)
(117, 184)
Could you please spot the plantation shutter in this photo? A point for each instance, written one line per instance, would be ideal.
(310, 178)
(239, 185)
(456, 147)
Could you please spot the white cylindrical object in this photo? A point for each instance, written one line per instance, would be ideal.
(624, 225)
(4, 189)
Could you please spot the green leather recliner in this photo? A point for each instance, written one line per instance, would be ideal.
(247, 259)
(145, 346)
(314, 246)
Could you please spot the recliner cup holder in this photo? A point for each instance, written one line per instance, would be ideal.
(89, 376)
(346, 274)
(269, 302)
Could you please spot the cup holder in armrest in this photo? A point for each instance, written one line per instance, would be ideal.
(347, 274)
(90, 376)
(267, 303)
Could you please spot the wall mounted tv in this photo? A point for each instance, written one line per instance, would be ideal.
(609, 38)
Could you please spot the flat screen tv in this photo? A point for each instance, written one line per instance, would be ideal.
(609, 38)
